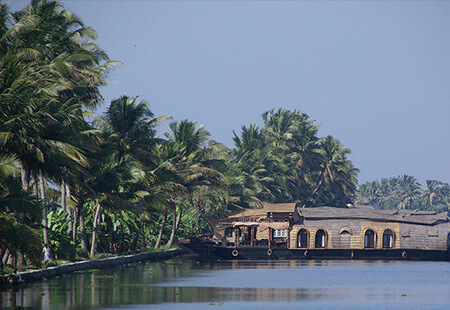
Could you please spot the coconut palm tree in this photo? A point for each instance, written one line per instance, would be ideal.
(185, 151)
(131, 129)
(249, 140)
(303, 156)
(18, 233)
(433, 192)
(408, 190)
(128, 156)
(54, 70)
(337, 176)
(258, 171)
(278, 125)
(367, 194)
(183, 145)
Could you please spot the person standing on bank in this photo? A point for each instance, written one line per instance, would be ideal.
(46, 251)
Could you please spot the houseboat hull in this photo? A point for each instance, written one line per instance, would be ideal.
(211, 250)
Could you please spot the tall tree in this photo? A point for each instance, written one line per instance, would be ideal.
(408, 190)
(337, 175)
(131, 129)
(184, 150)
(18, 233)
(129, 155)
(432, 192)
(54, 70)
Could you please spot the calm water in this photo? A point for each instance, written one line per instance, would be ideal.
(188, 284)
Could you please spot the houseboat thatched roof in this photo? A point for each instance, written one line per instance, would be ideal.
(267, 208)
(351, 212)
(404, 216)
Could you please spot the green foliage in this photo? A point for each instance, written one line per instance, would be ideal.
(404, 192)
(60, 243)
(20, 213)
(285, 161)
(120, 232)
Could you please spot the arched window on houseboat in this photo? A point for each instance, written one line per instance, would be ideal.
(448, 241)
(302, 238)
(388, 239)
(369, 239)
(320, 239)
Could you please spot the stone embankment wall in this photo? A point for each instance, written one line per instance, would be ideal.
(35, 275)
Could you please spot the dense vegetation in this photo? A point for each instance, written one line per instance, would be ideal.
(405, 192)
(113, 185)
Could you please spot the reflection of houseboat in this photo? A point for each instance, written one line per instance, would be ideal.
(286, 231)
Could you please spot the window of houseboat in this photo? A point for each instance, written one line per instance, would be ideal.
(369, 239)
(448, 241)
(320, 241)
(388, 239)
(279, 233)
(302, 238)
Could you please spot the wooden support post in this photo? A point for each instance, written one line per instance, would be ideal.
(270, 237)
(251, 236)
(288, 240)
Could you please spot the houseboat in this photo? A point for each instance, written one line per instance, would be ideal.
(287, 231)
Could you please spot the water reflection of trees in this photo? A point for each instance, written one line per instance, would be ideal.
(128, 285)
(185, 282)
(136, 285)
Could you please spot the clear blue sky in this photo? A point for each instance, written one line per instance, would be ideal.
(374, 74)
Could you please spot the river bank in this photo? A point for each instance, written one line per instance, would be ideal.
(39, 274)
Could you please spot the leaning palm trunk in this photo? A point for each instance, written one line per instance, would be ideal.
(84, 239)
(5, 257)
(44, 209)
(176, 222)
(143, 244)
(65, 192)
(35, 185)
(20, 259)
(70, 226)
(161, 230)
(63, 196)
(25, 177)
(94, 230)
(74, 235)
(19, 256)
(315, 192)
